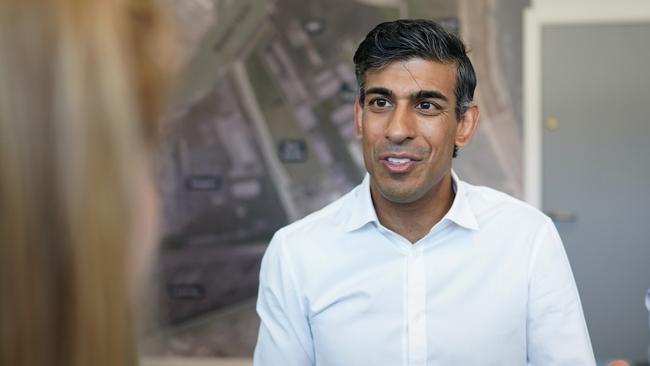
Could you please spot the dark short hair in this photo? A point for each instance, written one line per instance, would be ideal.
(416, 38)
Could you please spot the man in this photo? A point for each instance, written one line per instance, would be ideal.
(414, 266)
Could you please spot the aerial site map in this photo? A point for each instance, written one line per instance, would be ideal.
(261, 134)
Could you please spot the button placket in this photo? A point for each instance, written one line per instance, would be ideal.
(416, 302)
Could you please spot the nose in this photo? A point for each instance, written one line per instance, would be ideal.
(401, 126)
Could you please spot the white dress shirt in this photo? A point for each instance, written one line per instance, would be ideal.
(490, 284)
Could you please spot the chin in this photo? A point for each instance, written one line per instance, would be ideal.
(399, 194)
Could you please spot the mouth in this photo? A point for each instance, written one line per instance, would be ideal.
(399, 164)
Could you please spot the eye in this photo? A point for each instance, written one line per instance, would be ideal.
(380, 103)
(428, 107)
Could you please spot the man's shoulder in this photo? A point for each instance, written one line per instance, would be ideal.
(489, 202)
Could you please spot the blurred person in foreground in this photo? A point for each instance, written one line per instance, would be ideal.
(82, 85)
(415, 266)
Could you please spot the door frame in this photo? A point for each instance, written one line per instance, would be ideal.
(553, 12)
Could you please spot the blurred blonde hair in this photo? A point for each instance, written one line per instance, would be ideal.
(81, 90)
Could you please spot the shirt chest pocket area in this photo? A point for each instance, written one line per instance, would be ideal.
(355, 315)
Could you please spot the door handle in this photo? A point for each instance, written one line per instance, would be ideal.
(562, 216)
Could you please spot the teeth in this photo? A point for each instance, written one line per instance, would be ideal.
(398, 161)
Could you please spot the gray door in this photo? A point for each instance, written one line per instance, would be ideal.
(596, 172)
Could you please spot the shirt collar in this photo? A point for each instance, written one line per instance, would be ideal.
(363, 210)
(461, 211)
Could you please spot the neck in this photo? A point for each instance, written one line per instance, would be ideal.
(413, 220)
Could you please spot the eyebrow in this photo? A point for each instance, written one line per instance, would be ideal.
(433, 94)
(422, 94)
(379, 90)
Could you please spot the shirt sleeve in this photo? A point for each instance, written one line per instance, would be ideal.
(556, 330)
(285, 334)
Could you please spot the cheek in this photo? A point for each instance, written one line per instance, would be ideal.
(438, 136)
(371, 136)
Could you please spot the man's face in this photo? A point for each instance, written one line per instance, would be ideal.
(408, 127)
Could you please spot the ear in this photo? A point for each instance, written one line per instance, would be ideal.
(467, 126)
(358, 117)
